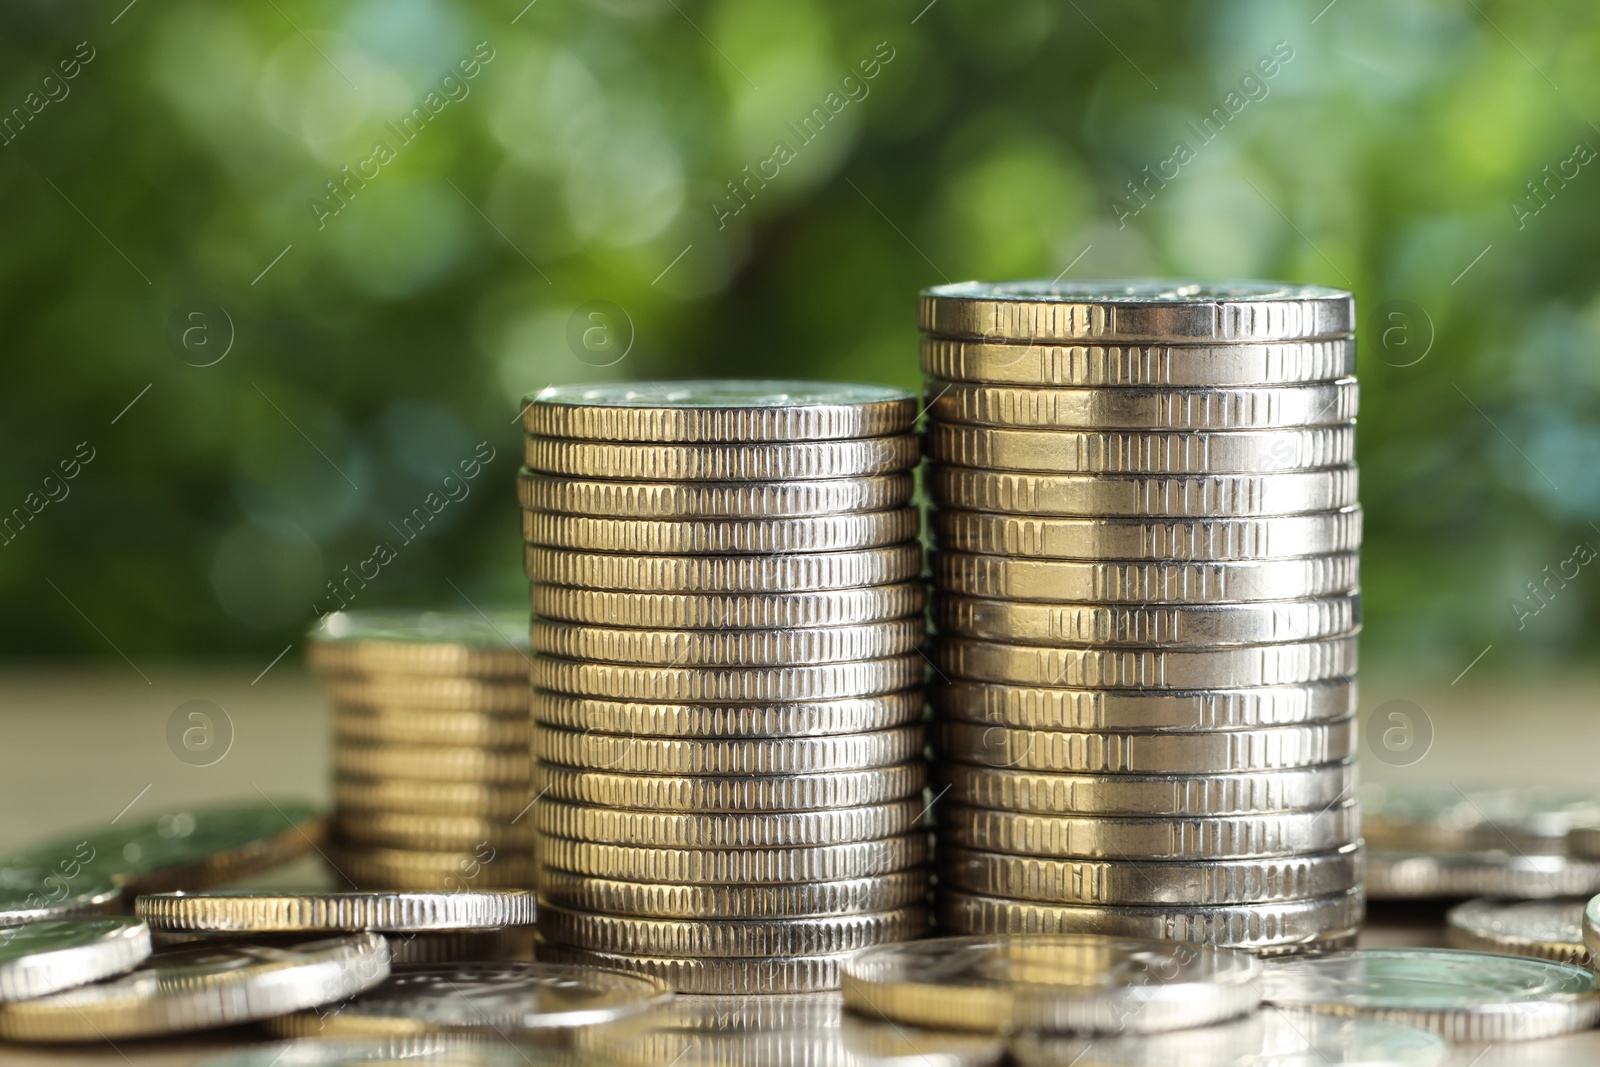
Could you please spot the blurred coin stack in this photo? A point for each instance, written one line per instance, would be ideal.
(1145, 592)
(728, 680)
(430, 755)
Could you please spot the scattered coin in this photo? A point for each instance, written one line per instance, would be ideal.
(1424, 875)
(40, 958)
(1544, 929)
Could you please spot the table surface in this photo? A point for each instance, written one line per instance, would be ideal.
(87, 744)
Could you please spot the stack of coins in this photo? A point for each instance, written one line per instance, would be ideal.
(728, 694)
(1145, 584)
(430, 752)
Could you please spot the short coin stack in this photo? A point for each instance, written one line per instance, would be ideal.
(1145, 589)
(430, 754)
(728, 691)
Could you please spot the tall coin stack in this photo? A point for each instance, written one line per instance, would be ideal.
(1145, 591)
(728, 686)
(430, 751)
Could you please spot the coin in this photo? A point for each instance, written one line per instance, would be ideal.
(501, 999)
(1204, 625)
(410, 870)
(1462, 996)
(1156, 309)
(849, 716)
(740, 648)
(457, 946)
(418, 1050)
(431, 833)
(827, 681)
(721, 975)
(40, 958)
(1127, 838)
(814, 936)
(1268, 748)
(485, 800)
(37, 894)
(1178, 366)
(1118, 881)
(743, 462)
(1530, 820)
(432, 763)
(719, 410)
(201, 988)
(426, 726)
(1076, 982)
(1282, 927)
(447, 643)
(1129, 452)
(1201, 496)
(795, 829)
(793, 572)
(1244, 793)
(1131, 408)
(817, 533)
(1395, 875)
(742, 793)
(824, 863)
(1111, 538)
(780, 755)
(662, 900)
(1147, 668)
(262, 912)
(712, 500)
(1143, 583)
(1088, 709)
(737, 611)
(1543, 929)
(498, 697)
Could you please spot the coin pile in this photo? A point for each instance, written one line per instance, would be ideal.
(430, 748)
(1145, 589)
(728, 689)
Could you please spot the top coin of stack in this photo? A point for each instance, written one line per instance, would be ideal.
(728, 681)
(1146, 596)
(431, 736)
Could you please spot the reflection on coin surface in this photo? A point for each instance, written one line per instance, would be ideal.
(1543, 929)
(39, 958)
(385, 912)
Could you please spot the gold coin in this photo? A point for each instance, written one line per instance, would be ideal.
(432, 763)
(509, 696)
(416, 726)
(433, 833)
(485, 800)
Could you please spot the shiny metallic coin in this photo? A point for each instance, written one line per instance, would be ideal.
(728, 648)
(736, 611)
(427, 726)
(824, 863)
(39, 893)
(1105, 538)
(1130, 882)
(408, 870)
(201, 988)
(1445, 818)
(263, 912)
(818, 533)
(1393, 875)
(500, 696)
(1046, 793)
(1267, 748)
(728, 975)
(1286, 926)
(1129, 452)
(712, 500)
(1246, 408)
(1163, 366)
(827, 681)
(462, 946)
(783, 461)
(485, 800)
(662, 900)
(432, 763)
(500, 1000)
(40, 958)
(1136, 309)
(1129, 838)
(1146, 668)
(417, 1050)
(1543, 929)
(848, 716)
(1075, 982)
(802, 572)
(779, 755)
(794, 829)
(432, 833)
(1176, 626)
(1143, 583)
(719, 410)
(1201, 496)
(1462, 996)
(743, 793)
(815, 936)
(1030, 707)
(450, 643)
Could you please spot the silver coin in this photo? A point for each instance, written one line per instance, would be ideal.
(1544, 929)
(849, 716)
(1462, 996)
(662, 900)
(1169, 626)
(1164, 366)
(264, 912)
(728, 648)
(1146, 496)
(1450, 819)
(780, 755)
(40, 958)
(816, 863)
(743, 462)
(671, 685)
(742, 793)
(1146, 668)
(745, 937)
(1393, 875)
(1136, 309)
(727, 975)
(1076, 982)
(670, 829)
(1270, 748)
(1246, 408)
(1129, 452)
(1030, 707)
(712, 500)
(1246, 793)
(416, 1050)
(792, 572)
(734, 611)
(817, 533)
(1111, 538)
(420, 642)
(1144, 583)
(33, 894)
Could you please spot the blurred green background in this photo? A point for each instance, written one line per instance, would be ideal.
(168, 205)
